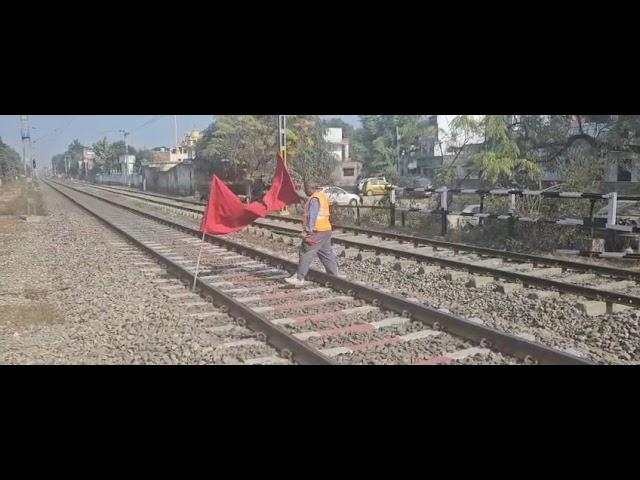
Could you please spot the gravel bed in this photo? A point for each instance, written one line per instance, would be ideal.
(406, 353)
(613, 338)
(69, 295)
(362, 337)
(342, 321)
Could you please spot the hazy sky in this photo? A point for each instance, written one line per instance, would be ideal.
(53, 133)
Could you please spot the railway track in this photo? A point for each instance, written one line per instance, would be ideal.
(332, 320)
(617, 288)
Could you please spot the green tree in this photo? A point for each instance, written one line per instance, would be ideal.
(105, 156)
(486, 146)
(247, 142)
(347, 128)
(311, 159)
(10, 162)
(244, 147)
(500, 158)
(386, 137)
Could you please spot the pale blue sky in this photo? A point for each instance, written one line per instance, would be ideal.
(53, 133)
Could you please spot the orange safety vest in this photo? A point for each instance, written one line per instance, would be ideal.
(322, 222)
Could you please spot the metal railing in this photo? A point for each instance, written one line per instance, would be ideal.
(591, 223)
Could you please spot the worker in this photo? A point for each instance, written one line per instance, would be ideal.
(316, 236)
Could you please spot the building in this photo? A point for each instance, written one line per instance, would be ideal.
(346, 172)
(127, 163)
(189, 143)
(164, 155)
(165, 158)
(88, 160)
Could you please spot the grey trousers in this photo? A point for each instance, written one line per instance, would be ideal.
(323, 249)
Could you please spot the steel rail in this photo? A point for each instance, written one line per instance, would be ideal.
(485, 336)
(276, 336)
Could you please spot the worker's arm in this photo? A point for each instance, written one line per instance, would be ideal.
(314, 209)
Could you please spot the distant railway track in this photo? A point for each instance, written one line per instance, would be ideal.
(614, 286)
(333, 320)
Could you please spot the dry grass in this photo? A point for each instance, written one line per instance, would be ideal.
(7, 225)
(21, 198)
(37, 313)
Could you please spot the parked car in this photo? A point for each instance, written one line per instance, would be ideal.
(338, 196)
(362, 182)
(375, 186)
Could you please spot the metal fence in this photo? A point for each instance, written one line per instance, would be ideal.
(611, 223)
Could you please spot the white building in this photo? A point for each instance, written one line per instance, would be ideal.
(346, 172)
(338, 145)
(126, 163)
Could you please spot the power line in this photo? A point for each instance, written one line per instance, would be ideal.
(147, 123)
(56, 133)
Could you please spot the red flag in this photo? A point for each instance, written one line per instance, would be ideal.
(282, 191)
(225, 212)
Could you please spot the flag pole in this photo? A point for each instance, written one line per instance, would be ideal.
(195, 277)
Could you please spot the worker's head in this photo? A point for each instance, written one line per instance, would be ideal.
(310, 187)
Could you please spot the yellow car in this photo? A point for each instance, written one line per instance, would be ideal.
(375, 186)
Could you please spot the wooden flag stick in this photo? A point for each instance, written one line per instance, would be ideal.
(195, 277)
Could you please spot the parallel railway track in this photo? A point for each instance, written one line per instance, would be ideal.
(333, 320)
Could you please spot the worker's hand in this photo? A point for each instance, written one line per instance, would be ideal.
(308, 238)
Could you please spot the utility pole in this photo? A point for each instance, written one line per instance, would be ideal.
(25, 134)
(126, 153)
(282, 137)
(398, 150)
(282, 145)
(175, 130)
(33, 161)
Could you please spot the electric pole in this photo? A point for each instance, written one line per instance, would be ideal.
(175, 130)
(126, 151)
(398, 150)
(282, 145)
(25, 134)
(282, 137)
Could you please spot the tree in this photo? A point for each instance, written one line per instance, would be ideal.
(347, 128)
(500, 158)
(247, 142)
(311, 159)
(386, 137)
(486, 146)
(243, 148)
(75, 152)
(10, 162)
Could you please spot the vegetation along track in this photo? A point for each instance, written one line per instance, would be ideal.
(616, 287)
(331, 320)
